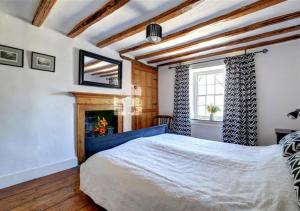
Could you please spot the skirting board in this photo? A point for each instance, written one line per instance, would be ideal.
(33, 173)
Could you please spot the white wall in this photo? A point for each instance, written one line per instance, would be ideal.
(278, 76)
(37, 115)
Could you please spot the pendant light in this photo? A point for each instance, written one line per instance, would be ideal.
(154, 33)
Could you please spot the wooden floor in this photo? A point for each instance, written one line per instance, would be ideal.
(58, 191)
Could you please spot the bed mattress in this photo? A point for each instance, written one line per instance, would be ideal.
(179, 173)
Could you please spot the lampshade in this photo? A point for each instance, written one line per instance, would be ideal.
(294, 114)
(154, 33)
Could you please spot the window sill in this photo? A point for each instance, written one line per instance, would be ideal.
(207, 122)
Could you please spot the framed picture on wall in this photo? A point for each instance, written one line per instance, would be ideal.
(43, 62)
(11, 56)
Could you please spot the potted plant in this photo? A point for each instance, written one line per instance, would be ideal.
(212, 109)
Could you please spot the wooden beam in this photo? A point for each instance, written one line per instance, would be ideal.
(243, 11)
(227, 44)
(234, 32)
(138, 63)
(109, 74)
(107, 9)
(92, 63)
(256, 45)
(42, 12)
(165, 16)
(106, 71)
(101, 68)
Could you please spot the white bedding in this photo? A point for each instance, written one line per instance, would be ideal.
(172, 172)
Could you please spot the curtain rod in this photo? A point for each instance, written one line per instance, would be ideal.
(262, 51)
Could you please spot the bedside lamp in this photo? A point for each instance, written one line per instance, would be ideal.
(294, 114)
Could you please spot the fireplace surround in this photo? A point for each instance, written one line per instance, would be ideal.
(89, 102)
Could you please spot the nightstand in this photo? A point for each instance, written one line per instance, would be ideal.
(280, 133)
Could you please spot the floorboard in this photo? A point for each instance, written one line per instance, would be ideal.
(56, 192)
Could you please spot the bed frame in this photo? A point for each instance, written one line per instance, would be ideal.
(94, 145)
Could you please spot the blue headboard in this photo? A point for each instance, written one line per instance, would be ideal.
(94, 145)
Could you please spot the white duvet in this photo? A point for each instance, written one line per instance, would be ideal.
(172, 172)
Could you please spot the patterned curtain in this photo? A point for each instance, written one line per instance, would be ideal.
(240, 118)
(181, 115)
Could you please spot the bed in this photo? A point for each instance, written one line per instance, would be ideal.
(172, 172)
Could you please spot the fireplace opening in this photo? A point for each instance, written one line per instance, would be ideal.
(100, 123)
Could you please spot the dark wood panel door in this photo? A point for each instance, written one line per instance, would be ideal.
(144, 95)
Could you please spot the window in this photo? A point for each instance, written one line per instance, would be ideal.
(208, 89)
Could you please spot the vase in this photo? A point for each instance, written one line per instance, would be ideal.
(110, 131)
(211, 117)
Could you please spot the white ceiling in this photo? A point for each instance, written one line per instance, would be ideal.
(66, 13)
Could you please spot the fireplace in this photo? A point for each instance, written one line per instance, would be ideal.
(97, 115)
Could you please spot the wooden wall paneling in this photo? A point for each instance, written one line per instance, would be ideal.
(144, 93)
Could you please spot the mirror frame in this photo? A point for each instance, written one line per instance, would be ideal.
(82, 54)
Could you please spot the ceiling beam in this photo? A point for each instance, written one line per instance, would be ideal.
(109, 74)
(42, 12)
(105, 72)
(92, 63)
(107, 9)
(256, 45)
(136, 62)
(243, 11)
(165, 16)
(227, 44)
(101, 68)
(227, 34)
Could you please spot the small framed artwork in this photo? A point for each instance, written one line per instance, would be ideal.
(11, 56)
(42, 62)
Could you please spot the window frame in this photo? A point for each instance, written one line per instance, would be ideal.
(195, 75)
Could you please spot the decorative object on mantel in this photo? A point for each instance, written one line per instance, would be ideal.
(96, 70)
(42, 62)
(212, 109)
(154, 33)
(294, 114)
(11, 56)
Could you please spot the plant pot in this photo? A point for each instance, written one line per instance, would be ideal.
(211, 117)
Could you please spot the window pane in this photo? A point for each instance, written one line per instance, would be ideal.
(211, 79)
(220, 78)
(201, 110)
(219, 99)
(201, 90)
(210, 89)
(201, 101)
(219, 89)
(210, 100)
(202, 79)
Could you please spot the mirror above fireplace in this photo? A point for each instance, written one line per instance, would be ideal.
(97, 70)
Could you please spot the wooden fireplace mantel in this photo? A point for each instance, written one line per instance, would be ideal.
(91, 94)
(86, 101)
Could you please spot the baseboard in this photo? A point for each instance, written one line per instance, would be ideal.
(33, 173)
